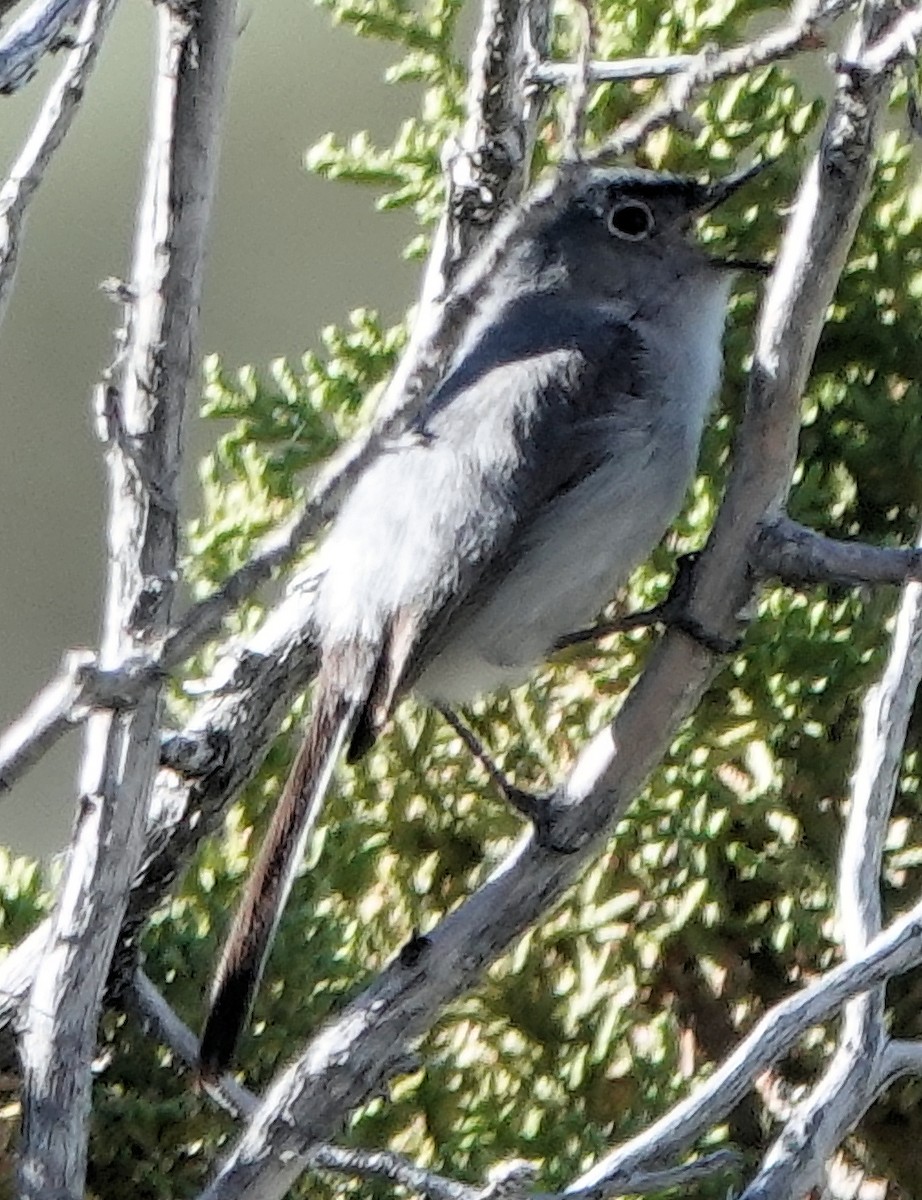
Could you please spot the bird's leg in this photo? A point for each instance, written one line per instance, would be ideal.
(638, 620)
(673, 612)
(529, 804)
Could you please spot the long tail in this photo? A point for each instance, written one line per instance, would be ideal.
(248, 944)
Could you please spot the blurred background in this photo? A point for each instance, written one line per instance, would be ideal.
(290, 253)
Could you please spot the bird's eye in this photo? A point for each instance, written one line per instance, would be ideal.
(631, 220)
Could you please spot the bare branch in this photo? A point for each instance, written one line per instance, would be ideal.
(32, 35)
(817, 1126)
(144, 414)
(898, 1058)
(82, 686)
(816, 242)
(800, 557)
(487, 168)
(350, 1057)
(574, 129)
(383, 1164)
(48, 716)
(900, 43)
(53, 121)
(813, 251)
(164, 1024)
(205, 766)
(773, 1037)
(562, 74)
(486, 171)
(642, 1183)
(801, 33)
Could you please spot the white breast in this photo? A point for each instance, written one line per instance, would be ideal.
(574, 559)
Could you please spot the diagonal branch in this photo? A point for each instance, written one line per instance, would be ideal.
(39, 29)
(349, 1058)
(811, 257)
(54, 120)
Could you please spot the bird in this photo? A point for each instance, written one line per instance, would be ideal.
(538, 473)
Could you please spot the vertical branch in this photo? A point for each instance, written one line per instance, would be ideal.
(487, 168)
(141, 421)
(578, 100)
(814, 249)
(817, 1126)
(486, 171)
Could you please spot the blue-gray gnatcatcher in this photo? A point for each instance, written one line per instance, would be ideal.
(543, 468)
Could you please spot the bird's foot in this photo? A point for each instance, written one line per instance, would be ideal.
(672, 613)
(534, 806)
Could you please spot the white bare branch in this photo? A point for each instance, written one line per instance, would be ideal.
(144, 414)
(36, 31)
(642, 1183)
(53, 120)
(854, 1079)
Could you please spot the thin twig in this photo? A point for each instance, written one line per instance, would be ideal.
(82, 686)
(803, 32)
(562, 74)
(167, 1027)
(51, 126)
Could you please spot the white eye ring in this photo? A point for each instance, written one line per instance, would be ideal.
(631, 220)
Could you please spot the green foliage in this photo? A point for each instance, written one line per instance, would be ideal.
(715, 899)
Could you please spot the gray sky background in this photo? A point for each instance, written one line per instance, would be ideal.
(290, 253)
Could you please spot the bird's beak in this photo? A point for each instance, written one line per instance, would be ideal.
(720, 190)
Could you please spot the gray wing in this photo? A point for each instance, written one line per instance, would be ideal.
(530, 411)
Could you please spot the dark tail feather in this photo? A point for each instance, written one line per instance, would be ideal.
(253, 931)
